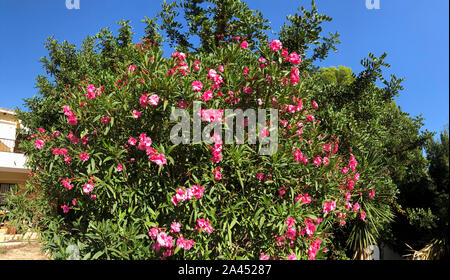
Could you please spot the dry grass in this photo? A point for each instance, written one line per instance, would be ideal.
(432, 251)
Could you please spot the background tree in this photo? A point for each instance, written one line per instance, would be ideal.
(424, 224)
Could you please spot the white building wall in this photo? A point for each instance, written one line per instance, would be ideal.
(8, 133)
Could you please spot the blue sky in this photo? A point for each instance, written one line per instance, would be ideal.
(414, 34)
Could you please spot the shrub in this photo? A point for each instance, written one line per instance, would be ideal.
(120, 189)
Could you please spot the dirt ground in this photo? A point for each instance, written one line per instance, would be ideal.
(30, 251)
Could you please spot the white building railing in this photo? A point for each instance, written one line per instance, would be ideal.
(13, 162)
(10, 143)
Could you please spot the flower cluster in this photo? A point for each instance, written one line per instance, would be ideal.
(182, 194)
(205, 225)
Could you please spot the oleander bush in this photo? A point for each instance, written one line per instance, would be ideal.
(122, 189)
(111, 184)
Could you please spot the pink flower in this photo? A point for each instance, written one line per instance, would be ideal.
(75, 140)
(72, 120)
(182, 104)
(246, 71)
(294, 58)
(39, 143)
(91, 91)
(153, 233)
(217, 174)
(132, 141)
(189, 244)
(211, 115)
(84, 157)
(207, 95)
(136, 114)
(67, 159)
(119, 167)
(298, 155)
(290, 222)
(326, 148)
(356, 207)
(186, 244)
(85, 140)
(295, 76)
(131, 68)
(65, 208)
(348, 196)
(326, 161)
(317, 161)
(153, 99)
(217, 79)
(329, 206)
(181, 56)
(143, 100)
(105, 120)
(180, 194)
(175, 227)
(205, 225)
(310, 118)
(310, 229)
(264, 257)
(312, 250)
(197, 86)
(244, 45)
(174, 200)
(88, 187)
(348, 205)
(303, 198)
(291, 233)
(304, 160)
(196, 65)
(263, 132)
(280, 240)
(145, 142)
(314, 103)
(67, 111)
(351, 185)
(372, 193)
(159, 159)
(363, 215)
(292, 257)
(74, 202)
(197, 191)
(275, 45)
(247, 90)
(353, 163)
(66, 184)
(344, 170)
(216, 138)
(181, 242)
(156, 247)
(164, 240)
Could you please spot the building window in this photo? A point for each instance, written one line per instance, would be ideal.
(4, 189)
